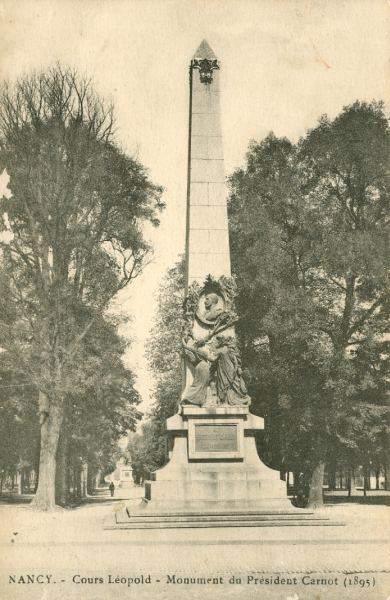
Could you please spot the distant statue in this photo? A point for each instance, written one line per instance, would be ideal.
(217, 361)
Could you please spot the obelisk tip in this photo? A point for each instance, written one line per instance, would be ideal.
(204, 51)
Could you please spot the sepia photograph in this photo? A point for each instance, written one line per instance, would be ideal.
(194, 299)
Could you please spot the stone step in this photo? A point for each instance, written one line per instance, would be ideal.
(217, 524)
(233, 512)
(212, 518)
(143, 519)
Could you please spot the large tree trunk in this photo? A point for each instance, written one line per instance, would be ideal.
(296, 477)
(51, 420)
(366, 480)
(332, 475)
(386, 473)
(377, 475)
(83, 480)
(76, 481)
(316, 499)
(62, 471)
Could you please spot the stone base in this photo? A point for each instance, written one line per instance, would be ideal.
(206, 476)
(175, 519)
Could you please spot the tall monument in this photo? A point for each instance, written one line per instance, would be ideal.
(214, 476)
(213, 463)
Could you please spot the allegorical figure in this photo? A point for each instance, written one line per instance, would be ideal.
(220, 361)
(200, 359)
(226, 369)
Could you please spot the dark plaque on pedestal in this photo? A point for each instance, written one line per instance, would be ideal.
(216, 438)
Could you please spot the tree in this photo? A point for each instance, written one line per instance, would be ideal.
(74, 235)
(19, 425)
(148, 451)
(163, 349)
(100, 410)
(308, 235)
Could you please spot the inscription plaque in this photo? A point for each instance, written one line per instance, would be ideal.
(216, 438)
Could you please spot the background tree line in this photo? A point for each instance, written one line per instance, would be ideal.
(72, 238)
(309, 243)
(147, 450)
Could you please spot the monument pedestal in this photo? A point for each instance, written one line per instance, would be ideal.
(215, 478)
(214, 464)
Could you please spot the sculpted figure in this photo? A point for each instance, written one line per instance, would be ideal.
(218, 361)
(231, 388)
(212, 358)
(199, 358)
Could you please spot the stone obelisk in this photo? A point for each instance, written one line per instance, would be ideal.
(213, 464)
(207, 234)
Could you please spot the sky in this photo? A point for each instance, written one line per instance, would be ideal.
(283, 64)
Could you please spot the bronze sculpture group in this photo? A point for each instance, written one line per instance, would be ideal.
(213, 359)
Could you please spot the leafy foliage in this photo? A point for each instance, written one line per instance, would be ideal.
(309, 248)
(72, 237)
(102, 408)
(164, 345)
(19, 424)
(148, 451)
